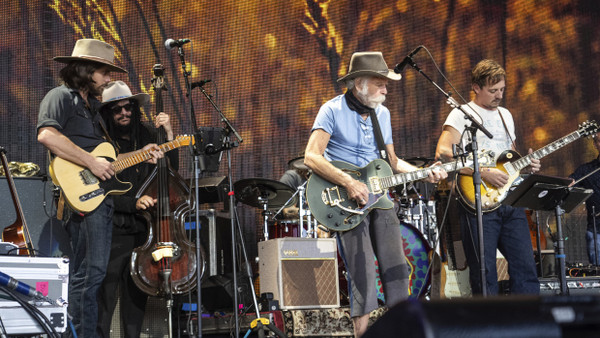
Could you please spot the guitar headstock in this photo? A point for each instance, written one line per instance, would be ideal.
(185, 140)
(588, 128)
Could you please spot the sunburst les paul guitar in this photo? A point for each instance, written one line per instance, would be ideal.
(83, 191)
(511, 163)
(331, 207)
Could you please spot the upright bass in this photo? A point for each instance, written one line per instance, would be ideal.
(16, 233)
(166, 264)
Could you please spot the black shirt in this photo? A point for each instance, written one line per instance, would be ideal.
(126, 219)
(592, 182)
(64, 109)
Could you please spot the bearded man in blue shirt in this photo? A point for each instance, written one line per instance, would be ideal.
(343, 131)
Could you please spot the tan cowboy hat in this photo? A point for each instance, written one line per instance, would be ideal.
(368, 63)
(117, 90)
(92, 50)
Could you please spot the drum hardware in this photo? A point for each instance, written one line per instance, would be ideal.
(264, 194)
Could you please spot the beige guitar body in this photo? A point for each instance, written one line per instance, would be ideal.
(82, 190)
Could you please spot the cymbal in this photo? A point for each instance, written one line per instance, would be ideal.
(419, 161)
(297, 163)
(256, 191)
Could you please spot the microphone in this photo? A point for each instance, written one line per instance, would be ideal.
(200, 83)
(20, 287)
(408, 59)
(170, 43)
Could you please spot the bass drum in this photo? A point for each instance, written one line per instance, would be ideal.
(416, 251)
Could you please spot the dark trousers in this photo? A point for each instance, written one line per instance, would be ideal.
(377, 236)
(505, 229)
(132, 299)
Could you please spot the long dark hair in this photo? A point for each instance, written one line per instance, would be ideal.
(134, 132)
(78, 75)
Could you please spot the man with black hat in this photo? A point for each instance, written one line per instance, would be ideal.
(120, 110)
(343, 130)
(70, 127)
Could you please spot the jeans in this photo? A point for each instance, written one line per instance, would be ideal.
(132, 299)
(505, 229)
(589, 238)
(90, 238)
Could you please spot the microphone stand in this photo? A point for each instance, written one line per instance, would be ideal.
(472, 129)
(228, 145)
(196, 154)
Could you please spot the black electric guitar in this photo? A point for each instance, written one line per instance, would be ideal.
(84, 191)
(330, 205)
(511, 162)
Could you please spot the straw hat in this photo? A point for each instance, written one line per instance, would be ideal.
(92, 50)
(117, 90)
(368, 63)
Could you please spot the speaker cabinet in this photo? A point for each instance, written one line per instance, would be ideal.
(48, 236)
(215, 236)
(300, 272)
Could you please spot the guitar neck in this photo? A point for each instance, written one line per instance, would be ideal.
(141, 156)
(411, 176)
(546, 150)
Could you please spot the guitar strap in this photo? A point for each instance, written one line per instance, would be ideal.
(379, 136)
(512, 142)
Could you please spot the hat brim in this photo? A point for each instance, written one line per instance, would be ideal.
(141, 98)
(67, 59)
(390, 74)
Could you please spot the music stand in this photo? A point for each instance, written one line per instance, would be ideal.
(539, 192)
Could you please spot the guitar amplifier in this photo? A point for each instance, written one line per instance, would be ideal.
(50, 276)
(302, 273)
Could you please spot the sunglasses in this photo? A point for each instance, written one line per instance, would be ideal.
(117, 109)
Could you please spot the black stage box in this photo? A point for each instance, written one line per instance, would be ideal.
(575, 285)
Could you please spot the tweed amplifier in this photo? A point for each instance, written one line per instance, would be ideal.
(302, 273)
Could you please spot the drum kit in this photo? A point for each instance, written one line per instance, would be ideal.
(417, 209)
(286, 214)
(284, 211)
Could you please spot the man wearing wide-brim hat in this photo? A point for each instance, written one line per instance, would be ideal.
(121, 112)
(70, 127)
(344, 130)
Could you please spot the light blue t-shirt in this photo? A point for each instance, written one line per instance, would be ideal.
(352, 138)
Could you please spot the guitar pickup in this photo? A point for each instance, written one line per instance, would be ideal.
(87, 177)
(375, 185)
(91, 195)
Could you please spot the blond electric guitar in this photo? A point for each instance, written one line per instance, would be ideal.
(511, 163)
(84, 191)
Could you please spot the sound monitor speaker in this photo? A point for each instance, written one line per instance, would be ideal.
(514, 316)
(301, 273)
(35, 194)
